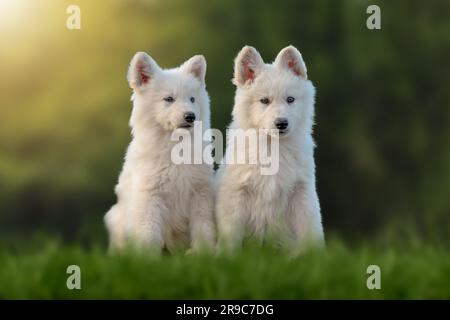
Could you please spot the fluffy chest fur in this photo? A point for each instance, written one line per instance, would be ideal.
(153, 172)
(267, 196)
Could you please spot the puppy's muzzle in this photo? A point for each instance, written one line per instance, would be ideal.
(282, 124)
(189, 118)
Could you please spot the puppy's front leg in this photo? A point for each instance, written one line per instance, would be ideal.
(231, 220)
(203, 233)
(304, 219)
(145, 221)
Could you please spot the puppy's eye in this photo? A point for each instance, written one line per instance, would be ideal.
(169, 99)
(192, 99)
(290, 100)
(265, 101)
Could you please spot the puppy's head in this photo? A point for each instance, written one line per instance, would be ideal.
(171, 98)
(273, 96)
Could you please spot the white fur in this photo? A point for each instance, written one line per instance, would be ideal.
(283, 207)
(160, 204)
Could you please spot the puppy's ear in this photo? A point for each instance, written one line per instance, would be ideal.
(142, 69)
(247, 66)
(195, 66)
(291, 59)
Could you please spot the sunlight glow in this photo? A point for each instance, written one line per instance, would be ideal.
(11, 13)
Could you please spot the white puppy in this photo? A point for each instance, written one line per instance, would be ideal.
(162, 204)
(282, 207)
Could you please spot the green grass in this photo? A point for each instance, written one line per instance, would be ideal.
(339, 273)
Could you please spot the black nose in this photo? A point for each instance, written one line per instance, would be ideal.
(189, 117)
(281, 123)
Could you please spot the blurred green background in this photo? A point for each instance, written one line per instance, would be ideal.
(382, 111)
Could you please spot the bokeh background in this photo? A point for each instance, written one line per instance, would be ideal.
(383, 112)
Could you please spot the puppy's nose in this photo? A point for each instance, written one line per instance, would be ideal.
(189, 117)
(281, 123)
